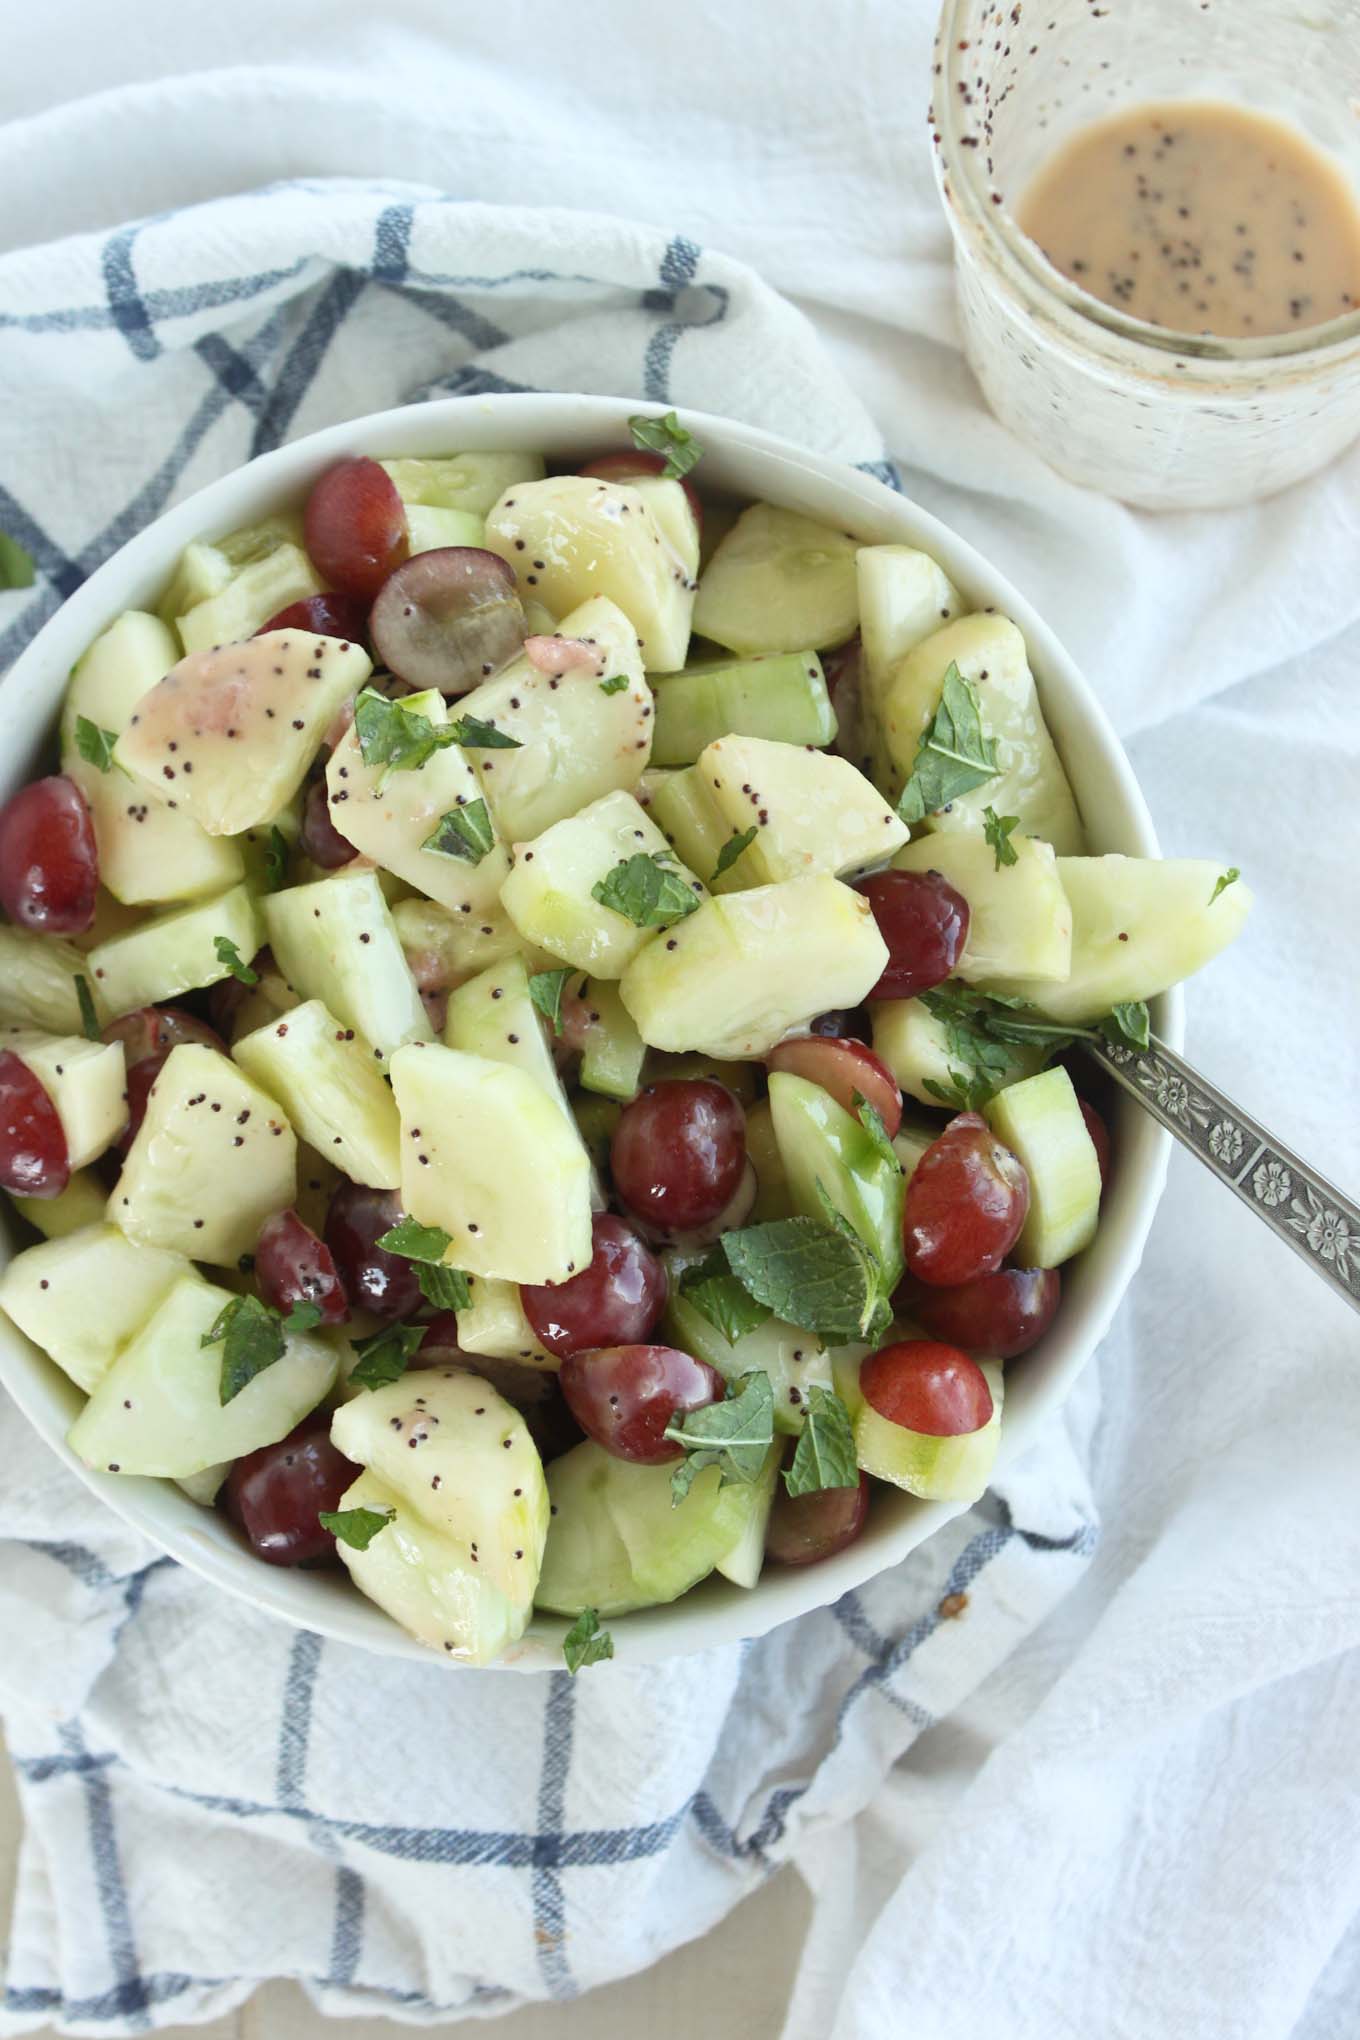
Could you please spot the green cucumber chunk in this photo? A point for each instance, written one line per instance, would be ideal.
(336, 941)
(329, 1084)
(493, 1015)
(821, 1143)
(1019, 919)
(779, 582)
(38, 981)
(428, 527)
(614, 1053)
(810, 812)
(783, 698)
(1041, 1122)
(158, 1409)
(83, 1296)
(254, 593)
(85, 1080)
(495, 1326)
(680, 806)
(80, 1204)
(471, 482)
(744, 1562)
(935, 1469)
(174, 952)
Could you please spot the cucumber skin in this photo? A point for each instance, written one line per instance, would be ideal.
(819, 1140)
(783, 699)
(1041, 1122)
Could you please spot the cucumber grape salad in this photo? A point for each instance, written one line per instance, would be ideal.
(530, 1010)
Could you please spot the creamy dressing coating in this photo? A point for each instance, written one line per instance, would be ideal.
(1200, 216)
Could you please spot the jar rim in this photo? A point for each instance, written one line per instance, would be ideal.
(961, 169)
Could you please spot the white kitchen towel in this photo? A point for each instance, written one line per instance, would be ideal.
(209, 1798)
(1145, 1824)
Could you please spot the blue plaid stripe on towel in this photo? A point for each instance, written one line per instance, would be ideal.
(210, 1798)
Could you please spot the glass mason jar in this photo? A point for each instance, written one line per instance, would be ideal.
(1161, 419)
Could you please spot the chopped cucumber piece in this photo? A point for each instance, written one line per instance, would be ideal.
(773, 1199)
(576, 741)
(496, 1327)
(472, 482)
(904, 597)
(336, 941)
(1041, 1122)
(175, 952)
(230, 732)
(596, 1119)
(148, 851)
(494, 1016)
(487, 1155)
(392, 816)
(821, 1144)
(779, 582)
(459, 1564)
(683, 811)
(1139, 925)
(84, 1079)
(811, 812)
(442, 948)
(158, 1409)
(267, 1000)
(615, 1542)
(212, 1159)
(203, 570)
(915, 1046)
(936, 1469)
(572, 536)
(783, 699)
(427, 526)
(549, 894)
(38, 981)
(794, 1360)
(251, 542)
(732, 979)
(1019, 921)
(205, 1487)
(1030, 781)
(80, 1204)
(614, 1053)
(255, 592)
(81, 1298)
(742, 1564)
(328, 1083)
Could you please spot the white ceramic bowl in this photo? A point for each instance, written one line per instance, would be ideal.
(750, 464)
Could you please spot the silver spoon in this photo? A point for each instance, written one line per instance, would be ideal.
(1302, 1208)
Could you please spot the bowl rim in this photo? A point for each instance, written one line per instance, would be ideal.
(777, 469)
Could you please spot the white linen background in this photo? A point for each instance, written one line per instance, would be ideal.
(1148, 1822)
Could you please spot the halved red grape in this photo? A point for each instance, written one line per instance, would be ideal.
(924, 922)
(614, 1302)
(627, 467)
(805, 1528)
(355, 527)
(34, 1158)
(928, 1387)
(679, 1151)
(374, 1280)
(842, 1069)
(337, 616)
(965, 1204)
(293, 1266)
(448, 618)
(49, 864)
(1000, 1314)
(1100, 1139)
(275, 1495)
(624, 1396)
(318, 837)
(841, 665)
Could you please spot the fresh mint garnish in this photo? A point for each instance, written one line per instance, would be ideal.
(446, 1288)
(738, 842)
(645, 892)
(825, 1454)
(251, 1337)
(978, 1063)
(734, 1435)
(997, 829)
(1128, 1025)
(871, 1119)
(954, 755)
(475, 735)
(714, 1291)
(615, 684)
(230, 955)
(275, 859)
(401, 739)
(1224, 880)
(809, 1274)
(16, 565)
(356, 1527)
(89, 1019)
(545, 990)
(667, 435)
(585, 1643)
(95, 745)
(464, 832)
(383, 1357)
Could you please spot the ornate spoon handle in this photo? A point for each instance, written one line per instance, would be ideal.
(1300, 1207)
